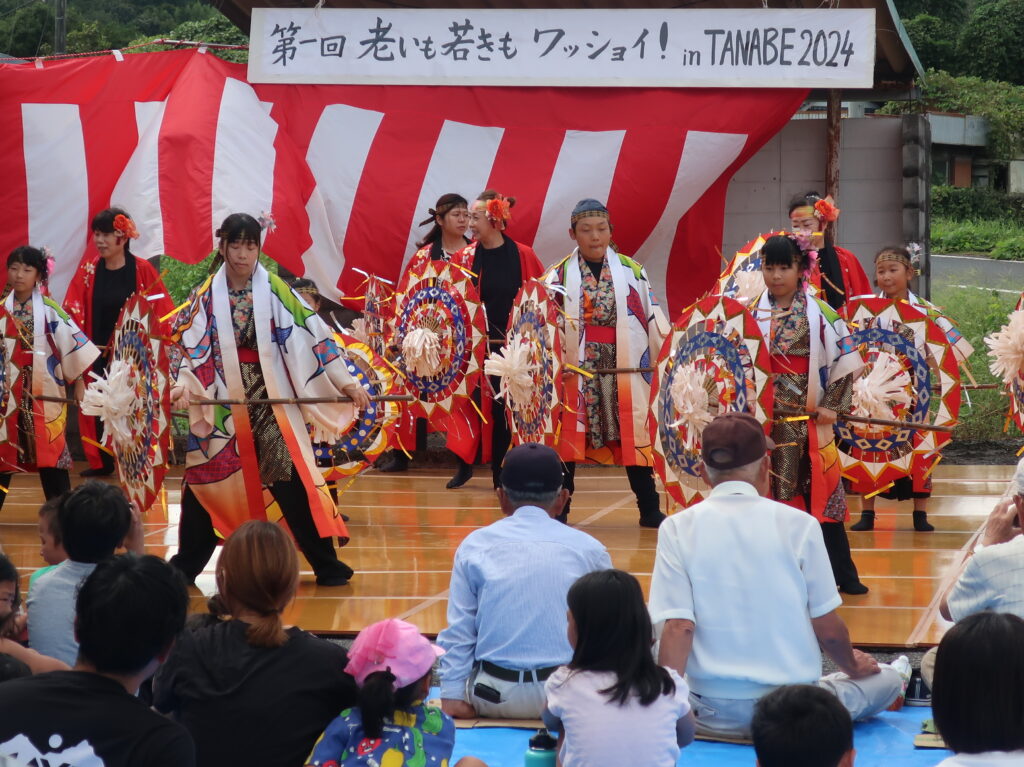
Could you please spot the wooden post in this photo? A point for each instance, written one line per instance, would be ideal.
(833, 116)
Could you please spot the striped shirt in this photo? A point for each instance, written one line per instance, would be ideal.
(992, 580)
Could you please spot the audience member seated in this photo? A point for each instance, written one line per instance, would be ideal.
(11, 623)
(391, 662)
(12, 668)
(802, 724)
(613, 704)
(94, 519)
(978, 697)
(51, 545)
(992, 577)
(128, 611)
(744, 591)
(506, 629)
(250, 690)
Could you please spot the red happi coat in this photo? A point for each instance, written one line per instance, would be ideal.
(78, 304)
(463, 427)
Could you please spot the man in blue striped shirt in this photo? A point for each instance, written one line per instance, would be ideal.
(506, 605)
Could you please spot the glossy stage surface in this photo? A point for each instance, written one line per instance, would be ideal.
(405, 528)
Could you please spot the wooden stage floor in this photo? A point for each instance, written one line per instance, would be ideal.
(405, 529)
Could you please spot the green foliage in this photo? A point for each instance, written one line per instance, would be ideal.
(978, 313)
(26, 31)
(935, 41)
(180, 277)
(100, 24)
(212, 30)
(975, 203)
(989, 44)
(1002, 104)
(977, 237)
(952, 11)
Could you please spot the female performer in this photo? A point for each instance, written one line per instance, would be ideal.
(95, 297)
(813, 373)
(894, 269)
(447, 236)
(277, 348)
(46, 353)
(612, 321)
(835, 271)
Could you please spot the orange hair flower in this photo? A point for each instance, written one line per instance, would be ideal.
(499, 209)
(125, 226)
(825, 210)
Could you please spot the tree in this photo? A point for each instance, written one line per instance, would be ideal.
(87, 37)
(935, 41)
(27, 31)
(952, 11)
(215, 30)
(989, 45)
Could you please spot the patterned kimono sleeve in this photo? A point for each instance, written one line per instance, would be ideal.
(839, 394)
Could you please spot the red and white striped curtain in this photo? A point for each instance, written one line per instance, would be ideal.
(180, 139)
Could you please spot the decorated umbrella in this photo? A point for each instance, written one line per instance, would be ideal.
(1006, 360)
(370, 433)
(9, 375)
(440, 332)
(530, 366)
(911, 376)
(133, 401)
(714, 360)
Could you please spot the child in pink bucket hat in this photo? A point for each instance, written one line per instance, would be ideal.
(392, 725)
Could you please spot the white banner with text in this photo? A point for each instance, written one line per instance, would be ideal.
(647, 47)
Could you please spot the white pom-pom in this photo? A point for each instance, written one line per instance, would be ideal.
(360, 330)
(513, 366)
(111, 398)
(1006, 349)
(882, 390)
(749, 284)
(690, 401)
(421, 349)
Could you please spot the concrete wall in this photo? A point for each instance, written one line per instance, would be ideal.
(870, 184)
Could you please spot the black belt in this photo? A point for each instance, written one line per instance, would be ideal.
(513, 675)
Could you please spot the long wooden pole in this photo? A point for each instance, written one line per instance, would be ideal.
(864, 419)
(278, 401)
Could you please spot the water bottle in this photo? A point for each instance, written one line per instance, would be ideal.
(542, 751)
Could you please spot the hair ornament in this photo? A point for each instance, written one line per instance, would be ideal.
(267, 222)
(499, 210)
(125, 226)
(51, 262)
(826, 210)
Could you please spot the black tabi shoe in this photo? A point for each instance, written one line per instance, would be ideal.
(100, 472)
(854, 589)
(462, 476)
(395, 461)
(921, 523)
(652, 519)
(867, 522)
(339, 575)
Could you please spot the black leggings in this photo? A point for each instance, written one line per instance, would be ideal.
(197, 539)
(641, 482)
(54, 482)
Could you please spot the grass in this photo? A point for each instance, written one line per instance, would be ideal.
(998, 239)
(979, 313)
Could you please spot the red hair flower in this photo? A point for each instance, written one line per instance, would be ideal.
(499, 209)
(125, 226)
(825, 210)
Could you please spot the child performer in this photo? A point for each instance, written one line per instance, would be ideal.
(812, 373)
(391, 662)
(613, 685)
(894, 269)
(46, 352)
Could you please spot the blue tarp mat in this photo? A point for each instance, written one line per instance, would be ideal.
(887, 739)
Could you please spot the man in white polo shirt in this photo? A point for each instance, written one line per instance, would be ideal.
(744, 595)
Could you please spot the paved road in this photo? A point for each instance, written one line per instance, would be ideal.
(974, 272)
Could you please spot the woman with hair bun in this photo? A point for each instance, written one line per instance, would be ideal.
(45, 353)
(245, 335)
(249, 689)
(95, 297)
